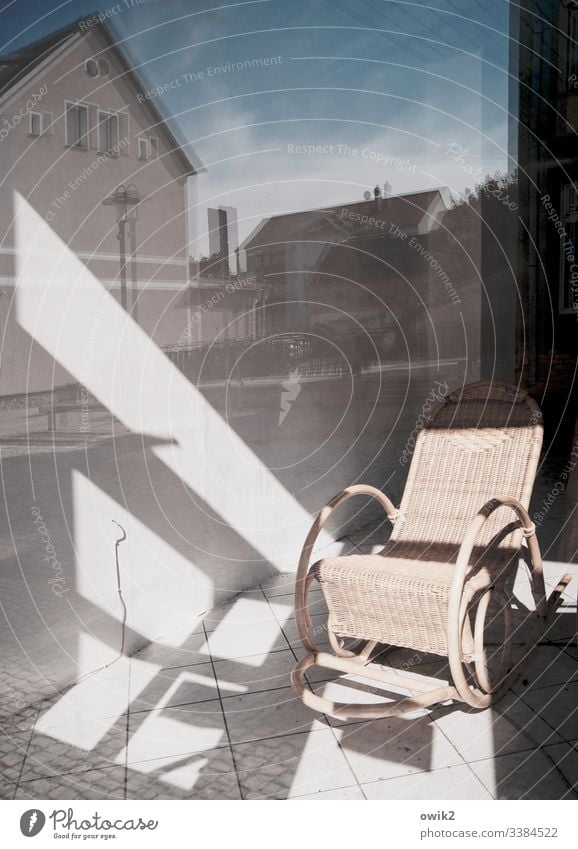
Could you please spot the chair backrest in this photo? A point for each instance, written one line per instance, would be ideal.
(482, 441)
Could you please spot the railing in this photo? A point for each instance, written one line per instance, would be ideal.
(277, 356)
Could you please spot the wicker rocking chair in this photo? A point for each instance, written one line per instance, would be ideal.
(447, 572)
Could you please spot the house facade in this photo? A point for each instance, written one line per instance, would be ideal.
(78, 137)
(376, 279)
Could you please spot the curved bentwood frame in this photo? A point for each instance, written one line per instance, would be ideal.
(470, 680)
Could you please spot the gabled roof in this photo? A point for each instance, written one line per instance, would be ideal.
(407, 211)
(16, 66)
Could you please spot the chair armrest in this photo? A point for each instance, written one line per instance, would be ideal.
(544, 606)
(475, 526)
(301, 582)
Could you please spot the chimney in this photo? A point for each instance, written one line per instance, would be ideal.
(223, 235)
(377, 195)
(387, 189)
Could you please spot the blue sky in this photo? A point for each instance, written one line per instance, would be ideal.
(378, 89)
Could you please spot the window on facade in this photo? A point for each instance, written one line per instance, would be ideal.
(35, 123)
(76, 125)
(91, 68)
(40, 123)
(107, 132)
(143, 149)
(153, 147)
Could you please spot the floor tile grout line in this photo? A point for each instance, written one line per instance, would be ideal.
(289, 594)
(256, 588)
(534, 749)
(459, 754)
(224, 696)
(281, 628)
(332, 790)
(344, 753)
(226, 724)
(291, 649)
(308, 684)
(539, 715)
(531, 748)
(227, 659)
(339, 746)
(240, 743)
(554, 769)
(133, 711)
(127, 738)
(531, 744)
(109, 766)
(537, 689)
(128, 715)
(105, 767)
(575, 794)
(292, 734)
(334, 728)
(536, 746)
(420, 772)
(220, 697)
(216, 699)
(24, 758)
(300, 730)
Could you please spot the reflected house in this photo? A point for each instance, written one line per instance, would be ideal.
(416, 293)
(220, 321)
(221, 298)
(76, 125)
(221, 305)
(406, 292)
(388, 279)
(288, 252)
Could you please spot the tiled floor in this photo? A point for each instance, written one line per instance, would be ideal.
(216, 718)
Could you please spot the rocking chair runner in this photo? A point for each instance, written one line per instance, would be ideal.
(448, 562)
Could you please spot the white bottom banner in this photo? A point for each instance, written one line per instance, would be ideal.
(401, 823)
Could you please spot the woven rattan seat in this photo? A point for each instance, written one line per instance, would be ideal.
(400, 600)
(451, 560)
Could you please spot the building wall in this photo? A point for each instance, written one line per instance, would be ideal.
(66, 186)
(83, 468)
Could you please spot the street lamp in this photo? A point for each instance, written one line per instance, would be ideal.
(125, 199)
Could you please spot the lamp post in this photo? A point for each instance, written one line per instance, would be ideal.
(125, 199)
(132, 216)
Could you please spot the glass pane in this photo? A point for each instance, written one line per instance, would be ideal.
(82, 125)
(113, 133)
(35, 128)
(360, 208)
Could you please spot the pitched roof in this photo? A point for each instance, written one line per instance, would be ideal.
(16, 66)
(378, 262)
(407, 211)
